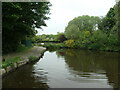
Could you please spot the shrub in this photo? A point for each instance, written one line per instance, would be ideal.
(95, 46)
(70, 43)
(61, 37)
(22, 48)
(54, 45)
(113, 39)
(32, 58)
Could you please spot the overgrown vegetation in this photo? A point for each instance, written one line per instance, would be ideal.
(19, 20)
(90, 32)
(94, 32)
(59, 37)
(22, 48)
(54, 45)
(32, 58)
(9, 62)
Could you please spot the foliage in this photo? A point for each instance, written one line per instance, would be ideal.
(99, 33)
(118, 20)
(19, 21)
(32, 58)
(22, 48)
(91, 32)
(61, 37)
(81, 23)
(54, 45)
(108, 22)
(44, 37)
(72, 32)
(10, 62)
(116, 27)
(36, 39)
(69, 43)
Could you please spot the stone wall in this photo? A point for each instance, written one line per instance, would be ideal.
(18, 64)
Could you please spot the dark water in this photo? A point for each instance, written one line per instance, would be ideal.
(67, 68)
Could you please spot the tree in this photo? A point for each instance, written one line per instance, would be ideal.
(118, 20)
(19, 21)
(108, 21)
(117, 25)
(81, 23)
(72, 31)
(61, 37)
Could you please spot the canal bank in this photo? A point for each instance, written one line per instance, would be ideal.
(27, 57)
(67, 68)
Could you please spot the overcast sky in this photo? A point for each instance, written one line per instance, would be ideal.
(62, 11)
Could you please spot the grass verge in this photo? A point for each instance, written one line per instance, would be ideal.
(23, 48)
(9, 62)
(32, 58)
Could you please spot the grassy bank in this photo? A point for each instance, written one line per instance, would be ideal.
(9, 62)
(33, 58)
(54, 45)
(15, 60)
(22, 53)
(23, 48)
(74, 45)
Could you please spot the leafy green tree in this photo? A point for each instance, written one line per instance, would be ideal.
(108, 21)
(72, 32)
(114, 30)
(96, 33)
(81, 23)
(61, 37)
(118, 20)
(19, 21)
(117, 25)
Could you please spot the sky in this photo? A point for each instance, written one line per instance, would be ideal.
(62, 11)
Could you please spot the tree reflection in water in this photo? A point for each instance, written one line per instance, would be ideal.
(91, 64)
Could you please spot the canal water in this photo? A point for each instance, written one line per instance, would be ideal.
(68, 68)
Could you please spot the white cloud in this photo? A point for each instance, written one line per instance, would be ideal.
(65, 10)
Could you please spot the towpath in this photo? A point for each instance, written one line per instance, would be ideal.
(34, 51)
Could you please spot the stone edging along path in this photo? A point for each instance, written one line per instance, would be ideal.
(35, 51)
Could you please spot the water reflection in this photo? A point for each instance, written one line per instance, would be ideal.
(23, 78)
(67, 68)
(92, 65)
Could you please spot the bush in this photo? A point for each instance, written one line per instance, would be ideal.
(113, 39)
(70, 43)
(32, 58)
(61, 37)
(22, 48)
(95, 46)
(54, 45)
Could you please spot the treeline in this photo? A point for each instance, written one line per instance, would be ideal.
(19, 20)
(92, 32)
(59, 37)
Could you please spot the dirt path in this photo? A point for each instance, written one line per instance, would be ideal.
(35, 51)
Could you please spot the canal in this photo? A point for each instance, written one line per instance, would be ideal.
(68, 68)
